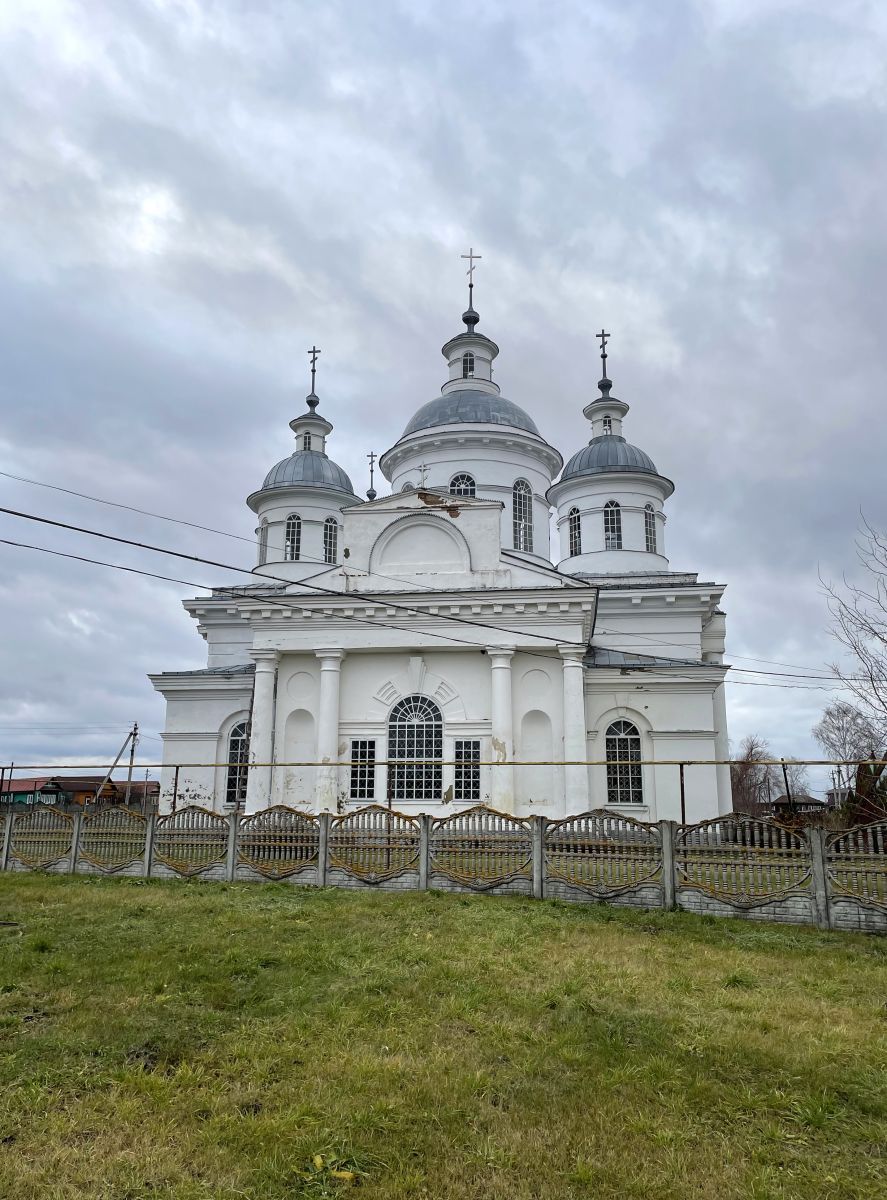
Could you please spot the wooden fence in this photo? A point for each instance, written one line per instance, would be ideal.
(731, 866)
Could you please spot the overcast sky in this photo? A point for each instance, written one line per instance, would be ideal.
(194, 192)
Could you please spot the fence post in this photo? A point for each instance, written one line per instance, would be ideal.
(538, 827)
(7, 840)
(231, 855)
(75, 842)
(424, 850)
(323, 849)
(150, 823)
(666, 832)
(819, 874)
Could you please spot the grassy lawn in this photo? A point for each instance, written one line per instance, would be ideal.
(264, 1042)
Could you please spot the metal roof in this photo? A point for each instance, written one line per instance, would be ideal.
(308, 468)
(472, 407)
(599, 656)
(609, 452)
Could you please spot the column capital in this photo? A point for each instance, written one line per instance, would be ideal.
(265, 658)
(329, 659)
(503, 653)
(572, 654)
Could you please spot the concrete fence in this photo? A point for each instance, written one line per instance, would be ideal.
(732, 866)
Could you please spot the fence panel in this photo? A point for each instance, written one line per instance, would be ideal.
(112, 839)
(278, 842)
(374, 844)
(742, 861)
(191, 840)
(41, 837)
(604, 853)
(481, 848)
(856, 861)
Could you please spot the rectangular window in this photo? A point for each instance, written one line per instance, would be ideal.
(363, 770)
(467, 776)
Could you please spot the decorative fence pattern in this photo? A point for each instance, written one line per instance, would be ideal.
(731, 866)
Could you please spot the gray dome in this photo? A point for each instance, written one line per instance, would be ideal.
(609, 452)
(473, 407)
(308, 468)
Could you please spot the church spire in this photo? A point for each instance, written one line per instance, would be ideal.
(470, 317)
(605, 412)
(311, 429)
(312, 399)
(470, 354)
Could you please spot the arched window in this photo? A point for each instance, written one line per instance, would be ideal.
(624, 777)
(608, 424)
(522, 515)
(462, 485)
(306, 441)
(263, 543)
(612, 526)
(650, 528)
(330, 540)
(408, 487)
(415, 749)
(238, 756)
(293, 537)
(574, 522)
(467, 365)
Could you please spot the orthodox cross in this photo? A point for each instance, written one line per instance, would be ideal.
(471, 257)
(423, 472)
(604, 338)
(312, 354)
(372, 457)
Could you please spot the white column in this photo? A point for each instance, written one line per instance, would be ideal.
(502, 783)
(261, 731)
(722, 751)
(575, 737)
(328, 727)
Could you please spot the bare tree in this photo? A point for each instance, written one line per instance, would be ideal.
(857, 740)
(757, 779)
(859, 623)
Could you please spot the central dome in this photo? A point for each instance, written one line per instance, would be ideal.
(609, 452)
(470, 406)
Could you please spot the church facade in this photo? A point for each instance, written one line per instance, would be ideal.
(422, 650)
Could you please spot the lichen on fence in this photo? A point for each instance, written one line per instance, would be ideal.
(481, 847)
(278, 842)
(603, 852)
(113, 838)
(856, 861)
(374, 843)
(190, 840)
(42, 837)
(743, 860)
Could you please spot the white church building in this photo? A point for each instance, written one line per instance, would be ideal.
(421, 649)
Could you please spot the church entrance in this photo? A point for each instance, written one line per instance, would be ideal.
(415, 750)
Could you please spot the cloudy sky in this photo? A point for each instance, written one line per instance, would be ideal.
(194, 192)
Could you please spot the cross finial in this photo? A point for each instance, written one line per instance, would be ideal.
(472, 258)
(603, 337)
(423, 474)
(371, 493)
(312, 354)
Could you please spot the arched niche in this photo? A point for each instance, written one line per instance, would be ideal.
(296, 787)
(421, 544)
(537, 785)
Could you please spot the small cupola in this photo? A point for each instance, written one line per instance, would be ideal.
(470, 355)
(311, 429)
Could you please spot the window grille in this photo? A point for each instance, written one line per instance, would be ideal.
(467, 776)
(415, 750)
(624, 776)
(263, 543)
(522, 515)
(238, 756)
(574, 521)
(467, 365)
(306, 441)
(650, 528)
(363, 770)
(612, 526)
(293, 539)
(330, 540)
(462, 485)
(608, 424)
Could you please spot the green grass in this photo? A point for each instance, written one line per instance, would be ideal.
(195, 1041)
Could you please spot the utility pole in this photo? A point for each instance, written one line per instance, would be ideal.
(132, 753)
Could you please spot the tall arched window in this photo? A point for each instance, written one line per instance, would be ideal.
(574, 522)
(467, 365)
(522, 515)
(624, 775)
(650, 528)
(238, 756)
(306, 441)
(612, 526)
(330, 540)
(263, 543)
(415, 749)
(462, 484)
(293, 538)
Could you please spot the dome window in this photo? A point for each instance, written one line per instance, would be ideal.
(522, 515)
(306, 441)
(293, 537)
(612, 526)
(625, 783)
(650, 528)
(263, 543)
(468, 365)
(408, 487)
(607, 424)
(330, 540)
(574, 523)
(463, 485)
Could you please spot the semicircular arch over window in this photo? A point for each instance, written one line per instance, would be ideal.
(415, 749)
(463, 485)
(522, 515)
(625, 782)
(238, 756)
